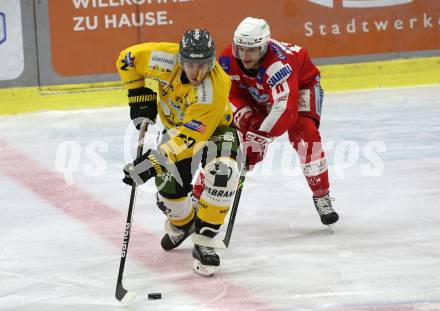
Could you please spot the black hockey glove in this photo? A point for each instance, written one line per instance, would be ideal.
(150, 164)
(147, 166)
(143, 104)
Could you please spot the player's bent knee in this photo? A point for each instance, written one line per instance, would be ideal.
(178, 211)
(221, 177)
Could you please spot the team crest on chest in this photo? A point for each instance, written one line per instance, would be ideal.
(278, 72)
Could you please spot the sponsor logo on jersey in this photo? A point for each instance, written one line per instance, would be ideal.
(161, 205)
(162, 61)
(304, 100)
(223, 137)
(187, 102)
(163, 83)
(280, 74)
(204, 91)
(225, 63)
(260, 98)
(180, 116)
(195, 125)
(277, 51)
(315, 168)
(127, 61)
(361, 3)
(222, 173)
(219, 193)
(2, 27)
(174, 105)
(235, 77)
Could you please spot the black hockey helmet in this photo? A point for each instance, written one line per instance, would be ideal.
(197, 46)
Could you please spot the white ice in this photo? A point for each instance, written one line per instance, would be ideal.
(61, 234)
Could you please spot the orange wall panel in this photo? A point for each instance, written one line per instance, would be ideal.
(87, 35)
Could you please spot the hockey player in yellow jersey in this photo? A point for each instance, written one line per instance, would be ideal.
(194, 108)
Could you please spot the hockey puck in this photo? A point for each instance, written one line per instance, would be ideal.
(154, 296)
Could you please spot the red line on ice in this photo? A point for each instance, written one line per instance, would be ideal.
(216, 293)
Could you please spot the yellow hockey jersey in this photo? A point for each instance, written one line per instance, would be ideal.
(190, 113)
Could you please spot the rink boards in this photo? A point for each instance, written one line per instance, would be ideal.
(335, 78)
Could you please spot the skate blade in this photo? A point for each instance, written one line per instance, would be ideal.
(331, 228)
(204, 270)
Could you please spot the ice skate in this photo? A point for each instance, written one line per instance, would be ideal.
(176, 235)
(206, 261)
(326, 212)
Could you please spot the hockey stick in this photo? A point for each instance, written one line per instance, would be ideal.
(234, 208)
(121, 292)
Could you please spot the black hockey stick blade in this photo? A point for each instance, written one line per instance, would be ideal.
(120, 291)
(122, 294)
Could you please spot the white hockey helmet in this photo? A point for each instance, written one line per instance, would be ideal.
(252, 32)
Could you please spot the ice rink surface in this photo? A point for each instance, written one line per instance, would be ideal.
(63, 210)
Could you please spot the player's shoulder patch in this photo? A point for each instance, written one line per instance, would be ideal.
(127, 61)
(278, 72)
(205, 92)
(225, 63)
(277, 50)
(162, 61)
